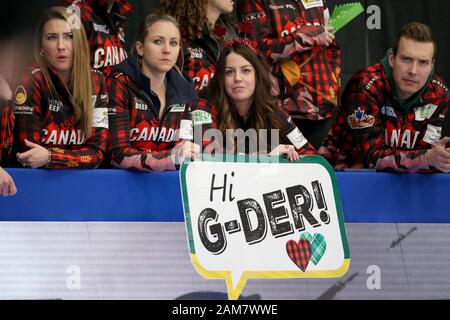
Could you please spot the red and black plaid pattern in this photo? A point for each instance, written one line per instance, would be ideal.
(290, 33)
(300, 253)
(6, 130)
(48, 119)
(107, 44)
(201, 53)
(287, 128)
(139, 138)
(372, 132)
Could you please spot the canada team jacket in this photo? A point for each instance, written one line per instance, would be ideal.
(291, 35)
(201, 54)
(140, 139)
(371, 130)
(6, 130)
(104, 31)
(48, 119)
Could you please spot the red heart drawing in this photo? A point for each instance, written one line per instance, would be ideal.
(300, 253)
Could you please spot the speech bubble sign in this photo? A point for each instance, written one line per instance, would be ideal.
(263, 217)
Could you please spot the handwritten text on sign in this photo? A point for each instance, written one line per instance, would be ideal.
(263, 220)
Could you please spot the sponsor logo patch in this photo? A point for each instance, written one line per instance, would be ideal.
(100, 119)
(360, 120)
(433, 134)
(424, 112)
(297, 138)
(388, 111)
(178, 108)
(20, 95)
(140, 104)
(200, 117)
(308, 4)
(196, 53)
(55, 105)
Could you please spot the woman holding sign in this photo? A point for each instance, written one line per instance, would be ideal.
(60, 103)
(150, 102)
(241, 91)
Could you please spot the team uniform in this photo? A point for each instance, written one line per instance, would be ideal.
(201, 53)
(104, 30)
(48, 119)
(374, 130)
(291, 34)
(140, 139)
(6, 130)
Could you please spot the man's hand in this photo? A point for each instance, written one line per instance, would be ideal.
(439, 156)
(7, 186)
(36, 157)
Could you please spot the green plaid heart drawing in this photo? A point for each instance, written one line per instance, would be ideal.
(318, 245)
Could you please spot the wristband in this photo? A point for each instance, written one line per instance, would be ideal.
(49, 158)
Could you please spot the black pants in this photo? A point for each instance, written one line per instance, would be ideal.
(314, 131)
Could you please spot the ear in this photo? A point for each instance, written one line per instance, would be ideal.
(139, 48)
(41, 53)
(391, 58)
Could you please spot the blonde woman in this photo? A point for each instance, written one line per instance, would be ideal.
(151, 102)
(60, 104)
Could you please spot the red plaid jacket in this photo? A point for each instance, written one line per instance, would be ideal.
(140, 139)
(6, 130)
(47, 119)
(291, 35)
(370, 130)
(104, 31)
(200, 54)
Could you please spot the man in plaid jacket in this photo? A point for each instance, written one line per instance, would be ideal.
(392, 112)
(104, 23)
(295, 38)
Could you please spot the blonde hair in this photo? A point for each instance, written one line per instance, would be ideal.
(81, 86)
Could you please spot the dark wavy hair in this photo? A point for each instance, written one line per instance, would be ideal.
(191, 15)
(264, 109)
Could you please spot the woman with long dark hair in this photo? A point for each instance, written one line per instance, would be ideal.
(241, 92)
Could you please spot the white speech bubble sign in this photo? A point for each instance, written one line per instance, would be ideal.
(258, 218)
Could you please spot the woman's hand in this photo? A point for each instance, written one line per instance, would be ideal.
(287, 149)
(5, 91)
(36, 157)
(7, 186)
(187, 150)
